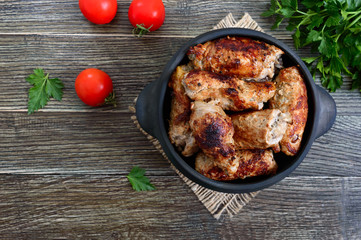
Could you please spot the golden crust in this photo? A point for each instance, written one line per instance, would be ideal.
(291, 97)
(250, 163)
(213, 130)
(236, 56)
(230, 93)
(179, 132)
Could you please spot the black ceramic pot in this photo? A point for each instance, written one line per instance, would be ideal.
(153, 108)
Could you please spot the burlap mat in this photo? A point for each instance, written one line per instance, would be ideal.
(217, 203)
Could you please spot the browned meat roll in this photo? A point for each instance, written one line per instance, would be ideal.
(237, 56)
(249, 163)
(259, 129)
(229, 93)
(291, 97)
(213, 131)
(180, 133)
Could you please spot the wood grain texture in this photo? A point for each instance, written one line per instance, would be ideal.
(62, 143)
(102, 207)
(131, 66)
(63, 170)
(183, 17)
(110, 143)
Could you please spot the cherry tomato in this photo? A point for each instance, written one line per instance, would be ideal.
(149, 14)
(94, 86)
(98, 11)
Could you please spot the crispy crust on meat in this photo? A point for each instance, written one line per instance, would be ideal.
(179, 132)
(230, 93)
(213, 131)
(237, 56)
(250, 163)
(291, 97)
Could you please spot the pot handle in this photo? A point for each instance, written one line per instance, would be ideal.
(327, 112)
(146, 108)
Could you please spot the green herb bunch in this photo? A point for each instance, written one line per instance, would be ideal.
(330, 27)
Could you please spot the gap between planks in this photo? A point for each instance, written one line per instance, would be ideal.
(92, 35)
(11, 110)
(280, 36)
(117, 173)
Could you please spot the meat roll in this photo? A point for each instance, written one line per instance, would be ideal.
(242, 57)
(180, 133)
(250, 163)
(259, 129)
(213, 131)
(291, 97)
(229, 93)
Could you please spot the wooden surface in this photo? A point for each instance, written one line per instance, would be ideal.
(63, 169)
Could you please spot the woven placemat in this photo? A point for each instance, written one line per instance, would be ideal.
(217, 203)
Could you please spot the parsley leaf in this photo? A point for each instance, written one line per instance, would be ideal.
(309, 59)
(287, 12)
(309, 3)
(313, 36)
(356, 84)
(353, 4)
(290, 4)
(43, 88)
(326, 47)
(139, 181)
(316, 21)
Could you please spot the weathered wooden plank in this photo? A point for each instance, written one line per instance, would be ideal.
(109, 143)
(352, 208)
(90, 206)
(131, 66)
(85, 207)
(337, 152)
(90, 142)
(183, 17)
(292, 200)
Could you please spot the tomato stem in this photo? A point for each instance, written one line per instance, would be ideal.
(110, 100)
(140, 30)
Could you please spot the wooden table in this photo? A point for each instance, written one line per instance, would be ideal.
(63, 169)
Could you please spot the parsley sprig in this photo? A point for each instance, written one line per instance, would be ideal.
(330, 27)
(139, 181)
(43, 88)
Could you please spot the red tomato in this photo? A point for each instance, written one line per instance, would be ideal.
(93, 86)
(148, 13)
(98, 11)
